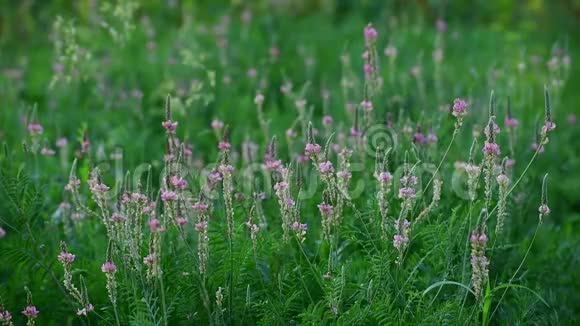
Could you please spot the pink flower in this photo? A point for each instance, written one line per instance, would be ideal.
(548, 126)
(355, 132)
(85, 310)
(491, 149)
(178, 182)
(399, 241)
(273, 165)
(167, 196)
(2, 233)
(181, 221)
(61, 142)
(201, 226)
(47, 151)
(217, 124)
(511, 122)
(200, 206)
(170, 126)
(544, 209)
(459, 107)
(290, 202)
(327, 120)
(325, 209)
(370, 33)
(117, 217)
(155, 225)
(419, 138)
(290, 133)
(30, 312)
(149, 259)
(280, 186)
(367, 105)
(480, 238)
(66, 258)
(326, 167)
(35, 128)
(407, 193)
(344, 174)
(226, 168)
(214, 176)
(299, 226)
(368, 68)
(385, 177)
(312, 149)
(109, 268)
(224, 146)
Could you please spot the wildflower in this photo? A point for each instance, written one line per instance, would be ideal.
(368, 68)
(2, 233)
(326, 167)
(201, 226)
(5, 316)
(290, 133)
(544, 210)
(491, 149)
(214, 176)
(548, 126)
(300, 229)
(200, 206)
(155, 225)
(61, 142)
(168, 196)
(354, 132)
(35, 128)
(459, 108)
(327, 120)
(47, 151)
(511, 122)
(407, 193)
(30, 312)
(149, 259)
(399, 241)
(479, 262)
(217, 124)
(325, 209)
(312, 149)
(170, 126)
(117, 217)
(370, 34)
(224, 146)
(367, 105)
(385, 177)
(273, 165)
(84, 311)
(178, 182)
(72, 184)
(109, 268)
(66, 258)
(419, 138)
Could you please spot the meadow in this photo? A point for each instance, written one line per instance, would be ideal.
(289, 163)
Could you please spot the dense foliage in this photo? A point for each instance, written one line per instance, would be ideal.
(169, 163)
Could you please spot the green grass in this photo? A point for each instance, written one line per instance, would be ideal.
(278, 282)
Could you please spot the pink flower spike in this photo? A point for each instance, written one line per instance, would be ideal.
(327, 120)
(370, 33)
(31, 312)
(312, 149)
(66, 258)
(326, 167)
(224, 146)
(167, 196)
(170, 126)
(181, 221)
(491, 149)
(109, 268)
(217, 124)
